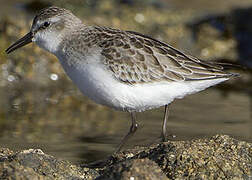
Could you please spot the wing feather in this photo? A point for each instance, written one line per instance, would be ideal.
(135, 58)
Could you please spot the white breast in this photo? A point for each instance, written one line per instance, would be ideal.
(97, 83)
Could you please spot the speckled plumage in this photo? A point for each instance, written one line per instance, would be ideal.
(136, 58)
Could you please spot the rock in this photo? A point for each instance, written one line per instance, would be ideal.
(134, 169)
(34, 164)
(220, 157)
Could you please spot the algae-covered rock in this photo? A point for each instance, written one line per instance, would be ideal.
(34, 164)
(220, 157)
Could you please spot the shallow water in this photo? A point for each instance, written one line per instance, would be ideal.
(41, 108)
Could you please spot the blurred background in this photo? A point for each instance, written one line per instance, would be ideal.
(41, 108)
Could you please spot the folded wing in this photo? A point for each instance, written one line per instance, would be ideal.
(136, 58)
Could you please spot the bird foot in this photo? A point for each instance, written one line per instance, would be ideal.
(167, 137)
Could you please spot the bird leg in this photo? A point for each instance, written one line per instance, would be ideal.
(131, 132)
(107, 161)
(163, 135)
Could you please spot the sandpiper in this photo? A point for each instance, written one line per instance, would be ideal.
(125, 70)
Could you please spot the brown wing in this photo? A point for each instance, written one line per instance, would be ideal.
(134, 58)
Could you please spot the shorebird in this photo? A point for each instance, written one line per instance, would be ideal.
(125, 70)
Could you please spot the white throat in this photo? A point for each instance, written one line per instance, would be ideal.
(49, 41)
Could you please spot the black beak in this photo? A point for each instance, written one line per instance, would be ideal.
(20, 43)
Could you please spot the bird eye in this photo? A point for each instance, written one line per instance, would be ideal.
(46, 24)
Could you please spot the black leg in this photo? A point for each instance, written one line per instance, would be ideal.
(104, 162)
(131, 132)
(164, 135)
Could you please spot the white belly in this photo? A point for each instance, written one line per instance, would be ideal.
(99, 85)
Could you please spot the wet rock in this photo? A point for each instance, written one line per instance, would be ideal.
(134, 169)
(218, 157)
(34, 164)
